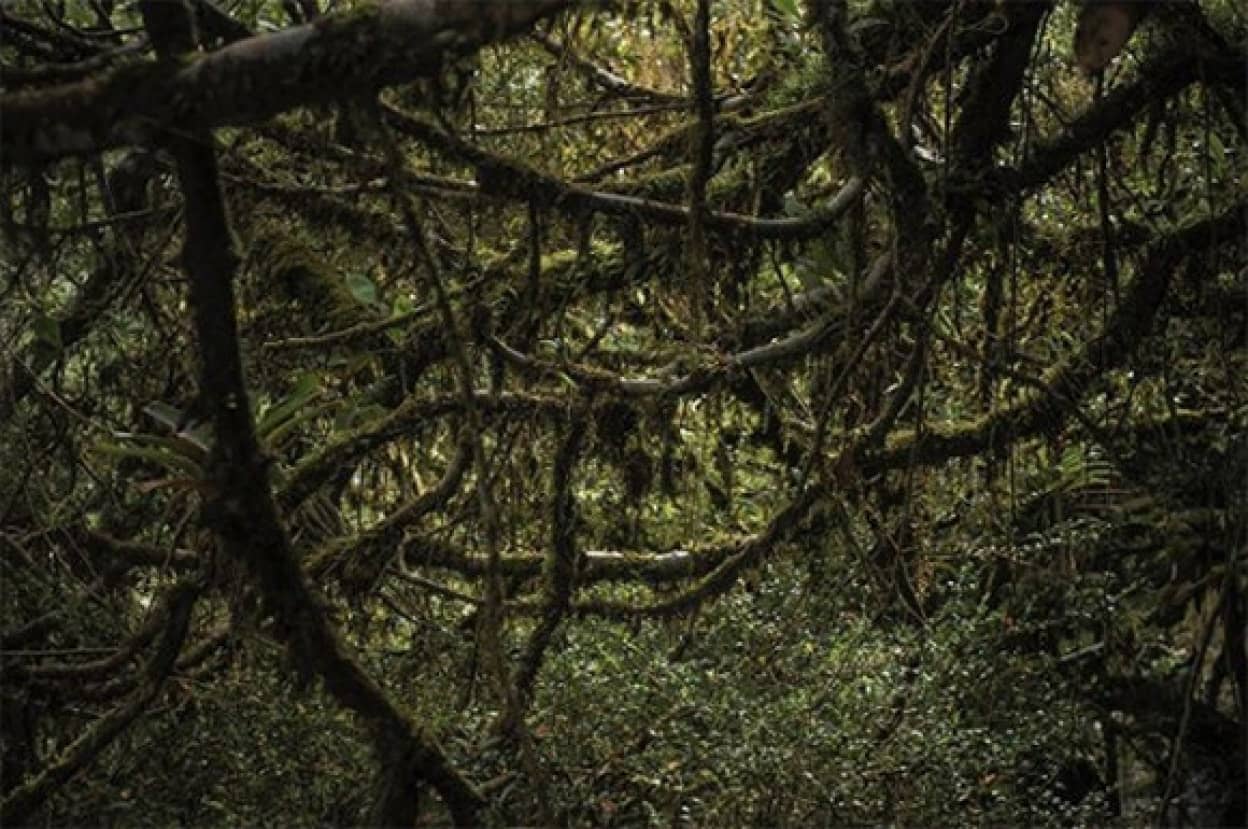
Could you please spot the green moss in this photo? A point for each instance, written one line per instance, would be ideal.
(297, 274)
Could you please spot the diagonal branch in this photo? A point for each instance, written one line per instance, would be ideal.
(1160, 79)
(1070, 381)
(175, 613)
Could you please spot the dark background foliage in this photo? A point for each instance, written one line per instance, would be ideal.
(666, 412)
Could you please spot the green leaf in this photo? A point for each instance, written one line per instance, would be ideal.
(168, 416)
(351, 415)
(48, 332)
(175, 419)
(173, 453)
(307, 387)
(787, 7)
(362, 288)
(278, 434)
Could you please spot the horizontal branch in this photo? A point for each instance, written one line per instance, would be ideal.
(413, 413)
(337, 57)
(500, 176)
(421, 551)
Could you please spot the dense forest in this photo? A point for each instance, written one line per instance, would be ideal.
(640, 413)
